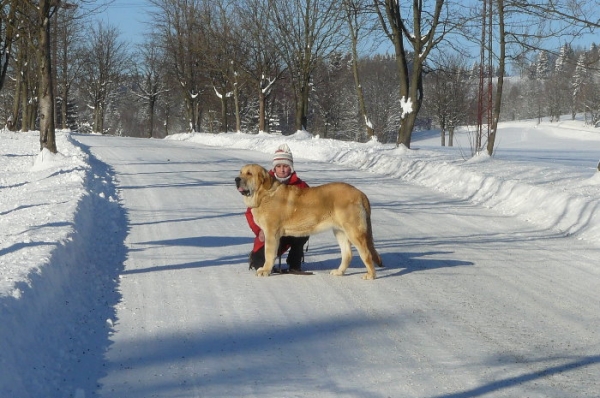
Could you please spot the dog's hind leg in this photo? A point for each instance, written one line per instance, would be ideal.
(361, 242)
(346, 250)
(371, 245)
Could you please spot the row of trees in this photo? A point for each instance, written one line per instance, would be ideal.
(567, 83)
(25, 24)
(274, 65)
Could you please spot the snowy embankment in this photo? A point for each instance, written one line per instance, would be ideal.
(57, 285)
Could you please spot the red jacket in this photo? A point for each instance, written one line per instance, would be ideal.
(293, 180)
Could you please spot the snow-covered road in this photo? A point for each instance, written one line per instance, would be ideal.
(471, 303)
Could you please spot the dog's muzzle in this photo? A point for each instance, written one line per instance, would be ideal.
(242, 190)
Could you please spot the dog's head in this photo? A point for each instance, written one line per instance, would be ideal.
(253, 179)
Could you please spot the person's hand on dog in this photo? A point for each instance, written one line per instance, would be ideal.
(261, 236)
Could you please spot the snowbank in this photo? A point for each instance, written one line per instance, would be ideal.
(61, 252)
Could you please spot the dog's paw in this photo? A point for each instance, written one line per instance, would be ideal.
(336, 272)
(368, 277)
(262, 272)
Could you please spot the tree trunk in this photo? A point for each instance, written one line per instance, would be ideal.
(197, 115)
(166, 122)
(501, 68)
(192, 111)
(411, 84)
(46, 92)
(9, 29)
(65, 86)
(408, 121)
(302, 105)
(64, 109)
(26, 106)
(262, 102)
(99, 118)
(406, 128)
(236, 103)
(414, 90)
(13, 124)
(451, 136)
(353, 27)
(13, 120)
(360, 95)
(151, 106)
(443, 131)
(224, 126)
(189, 110)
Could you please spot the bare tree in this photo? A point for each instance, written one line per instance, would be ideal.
(304, 32)
(497, 107)
(179, 23)
(7, 35)
(150, 81)
(379, 79)
(261, 64)
(449, 90)
(106, 58)
(24, 109)
(423, 28)
(36, 17)
(67, 33)
(45, 11)
(221, 56)
(357, 18)
(334, 98)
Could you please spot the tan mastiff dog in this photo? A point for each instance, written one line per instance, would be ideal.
(283, 210)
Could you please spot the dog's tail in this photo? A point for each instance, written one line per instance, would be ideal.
(370, 241)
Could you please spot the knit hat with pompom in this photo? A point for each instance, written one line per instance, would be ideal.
(283, 155)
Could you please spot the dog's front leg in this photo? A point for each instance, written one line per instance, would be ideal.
(271, 245)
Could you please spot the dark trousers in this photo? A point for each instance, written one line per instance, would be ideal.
(294, 257)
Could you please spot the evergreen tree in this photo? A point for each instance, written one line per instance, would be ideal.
(542, 66)
(578, 85)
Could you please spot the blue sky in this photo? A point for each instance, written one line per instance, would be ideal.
(129, 16)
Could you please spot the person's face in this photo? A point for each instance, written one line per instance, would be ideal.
(283, 170)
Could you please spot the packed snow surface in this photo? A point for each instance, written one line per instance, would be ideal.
(123, 270)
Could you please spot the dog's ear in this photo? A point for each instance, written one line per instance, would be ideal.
(266, 179)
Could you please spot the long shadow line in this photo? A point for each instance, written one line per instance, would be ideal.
(513, 381)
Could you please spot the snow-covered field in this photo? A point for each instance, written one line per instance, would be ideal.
(123, 270)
